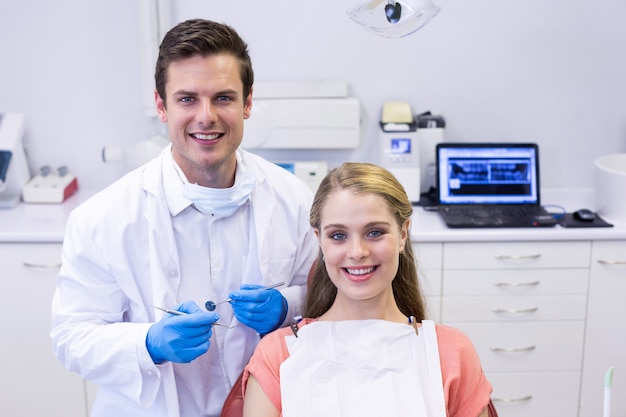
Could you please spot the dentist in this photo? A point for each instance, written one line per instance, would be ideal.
(205, 220)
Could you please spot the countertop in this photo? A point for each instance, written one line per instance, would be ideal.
(28, 222)
(46, 222)
(427, 226)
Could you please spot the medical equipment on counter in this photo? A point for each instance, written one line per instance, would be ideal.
(302, 115)
(50, 187)
(210, 305)
(182, 313)
(311, 172)
(14, 172)
(429, 133)
(399, 148)
(408, 147)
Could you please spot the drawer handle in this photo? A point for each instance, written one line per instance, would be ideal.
(515, 310)
(517, 284)
(518, 257)
(512, 350)
(42, 266)
(610, 262)
(513, 400)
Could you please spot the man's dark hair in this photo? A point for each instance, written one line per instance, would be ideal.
(200, 37)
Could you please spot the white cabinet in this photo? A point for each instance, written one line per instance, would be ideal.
(33, 382)
(523, 304)
(429, 262)
(605, 338)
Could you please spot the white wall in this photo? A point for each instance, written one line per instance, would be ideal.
(535, 70)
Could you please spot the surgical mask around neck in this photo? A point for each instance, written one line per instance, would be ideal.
(221, 202)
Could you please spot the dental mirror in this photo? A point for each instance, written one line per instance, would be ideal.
(211, 305)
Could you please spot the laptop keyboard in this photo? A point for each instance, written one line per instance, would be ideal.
(493, 211)
(495, 216)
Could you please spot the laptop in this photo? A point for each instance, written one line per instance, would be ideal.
(490, 185)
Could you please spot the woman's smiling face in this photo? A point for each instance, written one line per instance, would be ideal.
(361, 242)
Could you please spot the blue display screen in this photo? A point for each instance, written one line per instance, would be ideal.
(5, 159)
(400, 146)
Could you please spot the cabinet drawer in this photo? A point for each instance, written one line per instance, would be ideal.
(526, 346)
(428, 255)
(514, 308)
(37, 258)
(515, 255)
(430, 281)
(609, 253)
(536, 394)
(516, 282)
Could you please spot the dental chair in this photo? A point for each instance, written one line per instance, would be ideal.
(233, 406)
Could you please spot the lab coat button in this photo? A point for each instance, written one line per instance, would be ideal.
(172, 274)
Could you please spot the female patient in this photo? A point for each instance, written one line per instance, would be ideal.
(354, 350)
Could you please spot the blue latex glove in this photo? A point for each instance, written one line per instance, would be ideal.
(259, 308)
(181, 338)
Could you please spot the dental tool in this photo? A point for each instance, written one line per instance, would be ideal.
(211, 305)
(182, 313)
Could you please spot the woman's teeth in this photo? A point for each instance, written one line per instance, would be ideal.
(360, 271)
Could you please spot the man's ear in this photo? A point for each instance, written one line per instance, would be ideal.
(247, 108)
(160, 107)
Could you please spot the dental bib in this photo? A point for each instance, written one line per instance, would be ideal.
(221, 202)
(362, 368)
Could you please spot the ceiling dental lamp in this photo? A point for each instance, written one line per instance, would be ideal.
(393, 19)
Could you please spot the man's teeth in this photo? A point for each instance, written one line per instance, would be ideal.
(206, 137)
(360, 271)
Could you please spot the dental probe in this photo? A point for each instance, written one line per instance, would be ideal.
(182, 313)
(210, 305)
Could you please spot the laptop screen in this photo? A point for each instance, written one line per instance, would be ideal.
(488, 173)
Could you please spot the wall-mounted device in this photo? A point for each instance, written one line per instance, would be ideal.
(399, 146)
(136, 153)
(311, 172)
(303, 115)
(14, 172)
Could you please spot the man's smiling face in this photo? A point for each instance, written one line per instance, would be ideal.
(205, 115)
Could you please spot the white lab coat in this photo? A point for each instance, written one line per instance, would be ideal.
(120, 257)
